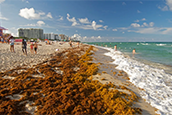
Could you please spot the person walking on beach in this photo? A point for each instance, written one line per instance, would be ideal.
(70, 43)
(31, 48)
(11, 44)
(24, 46)
(35, 47)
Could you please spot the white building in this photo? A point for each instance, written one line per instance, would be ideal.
(51, 36)
(31, 33)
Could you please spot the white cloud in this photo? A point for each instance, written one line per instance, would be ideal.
(145, 24)
(136, 21)
(114, 30)
(94, 25)
(74, 24)
(147, 30)
(123, 32)
(40, 23)
(165, 8)
(101, 21)
(84, 23)
(105, 27)
(138, 11)
(151, 24)
(123, 3)
(95, 38)
(152, 30)
(72, 20)
(135, 25)
(13, 31)
(49, 15)
(99, 37)
(84, 20)
(25, 1)
(141, 2)
(169, 3)
(1, 1)
(85, 37)
(32, 14)
(143, 19)
(76, 37)
(61, 18)
(3, 18)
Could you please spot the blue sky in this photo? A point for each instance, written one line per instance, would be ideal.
(92, 20)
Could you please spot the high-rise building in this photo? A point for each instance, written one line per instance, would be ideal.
(51, 36)
(31, 33)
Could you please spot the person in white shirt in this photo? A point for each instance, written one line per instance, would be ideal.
(11, 44)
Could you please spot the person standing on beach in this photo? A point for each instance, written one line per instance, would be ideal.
(134, 51)
(11, 44)
(78, 44)
(70, 43)
(24, 46)
(35, 47)
(115, 47)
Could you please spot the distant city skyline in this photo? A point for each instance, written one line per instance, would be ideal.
(92, 21)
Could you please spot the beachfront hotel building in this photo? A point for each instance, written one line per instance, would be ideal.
(51, 36)
(31, 33)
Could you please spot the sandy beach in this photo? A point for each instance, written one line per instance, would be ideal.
(48, 80)
(9, 60)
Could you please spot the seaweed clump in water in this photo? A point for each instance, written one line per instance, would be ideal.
(61, 86)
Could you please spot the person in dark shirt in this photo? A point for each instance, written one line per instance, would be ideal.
(24, 46)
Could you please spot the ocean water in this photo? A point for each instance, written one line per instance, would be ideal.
(156, 54)
(149, 69)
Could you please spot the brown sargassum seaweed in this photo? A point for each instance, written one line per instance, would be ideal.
(63, 88)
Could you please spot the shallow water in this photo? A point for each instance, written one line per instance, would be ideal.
(156, 54)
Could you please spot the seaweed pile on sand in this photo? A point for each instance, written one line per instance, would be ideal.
(62, 86)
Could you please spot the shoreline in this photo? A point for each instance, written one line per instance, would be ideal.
(107, 70)
(155, 82)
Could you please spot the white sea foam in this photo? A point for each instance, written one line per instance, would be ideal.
(144, 43)
(155, 82)
(161, 44)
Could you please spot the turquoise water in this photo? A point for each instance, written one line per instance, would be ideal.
(158, 52)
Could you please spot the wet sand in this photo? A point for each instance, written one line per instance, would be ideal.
(107, 70)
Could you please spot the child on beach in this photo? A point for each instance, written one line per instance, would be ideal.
(11, 44)
(24, 47)
(31, 48)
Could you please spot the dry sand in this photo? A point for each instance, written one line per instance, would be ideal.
(9, 60)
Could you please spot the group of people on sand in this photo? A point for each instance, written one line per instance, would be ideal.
(33, 46)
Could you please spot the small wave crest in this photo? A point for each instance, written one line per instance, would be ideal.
(161, 44)
(144, 43)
